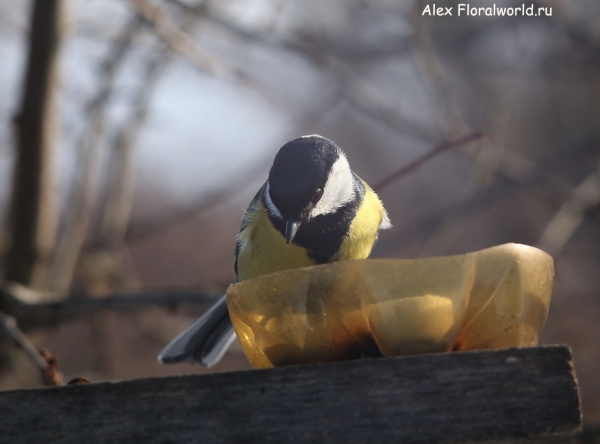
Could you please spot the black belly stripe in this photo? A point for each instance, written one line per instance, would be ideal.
(323, 235)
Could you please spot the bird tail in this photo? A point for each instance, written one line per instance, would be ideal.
(205, 341)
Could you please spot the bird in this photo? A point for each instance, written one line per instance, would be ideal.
(313, 209)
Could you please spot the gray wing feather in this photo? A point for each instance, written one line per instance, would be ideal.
(209, 337)
(205, 341)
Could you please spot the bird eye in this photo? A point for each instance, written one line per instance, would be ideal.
(317, 196)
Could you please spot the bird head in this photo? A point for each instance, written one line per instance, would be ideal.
(310, 177)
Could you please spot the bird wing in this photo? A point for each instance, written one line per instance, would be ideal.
(254, 205)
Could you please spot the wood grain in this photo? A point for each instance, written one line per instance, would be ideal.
(510, 395)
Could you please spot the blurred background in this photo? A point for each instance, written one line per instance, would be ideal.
(134, 133)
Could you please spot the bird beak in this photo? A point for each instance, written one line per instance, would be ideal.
(291, 228)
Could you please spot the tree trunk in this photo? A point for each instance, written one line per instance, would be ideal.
(34, 200)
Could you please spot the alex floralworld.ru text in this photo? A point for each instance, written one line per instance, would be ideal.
(466, 9)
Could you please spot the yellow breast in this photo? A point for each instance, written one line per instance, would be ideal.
(263, 249)
(364, 228)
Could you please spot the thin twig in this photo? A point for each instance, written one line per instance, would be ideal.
(391, 47)
(369, 101)
(116, 219)
(365, 96)
(182, 43)
(10, 326)
(431, 67)
(570, 215)
(85, 188)
(407, 169)
(502, 189)
(44, 361)
(358, 91)
(512, 166)
(506, 164)
(160, 223)
(120, 195)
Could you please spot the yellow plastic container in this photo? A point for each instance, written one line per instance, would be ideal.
(497, 297)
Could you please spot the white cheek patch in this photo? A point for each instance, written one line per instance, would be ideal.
(339, 188)
(270, 205)
(386, 223)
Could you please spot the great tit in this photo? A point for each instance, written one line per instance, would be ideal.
(312, 210)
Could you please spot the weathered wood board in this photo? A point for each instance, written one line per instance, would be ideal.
(510, 395)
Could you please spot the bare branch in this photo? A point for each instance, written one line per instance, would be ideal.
(570, 215)
(44, 361)
(159, 223)
(182, 43)
(15, 302)
(85, 188)
(535, 180)
(365, 96)
(342, 48)
(10, 327)
(417, 163)
(120, 195)
(494, 158)
(508, 164)
(116, 218)
(370, 100)
(427, 58)
(357, 90)
(162, 222)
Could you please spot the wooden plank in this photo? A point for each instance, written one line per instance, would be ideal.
(510, 395)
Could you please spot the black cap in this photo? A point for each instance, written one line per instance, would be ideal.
(299, 174)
